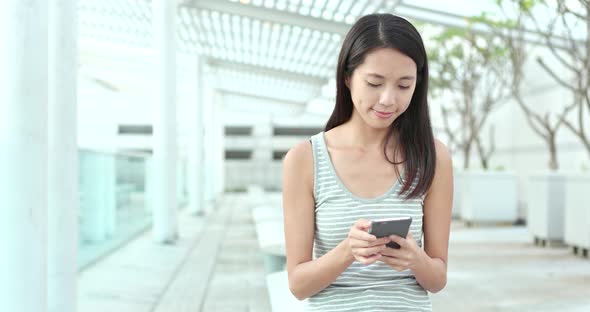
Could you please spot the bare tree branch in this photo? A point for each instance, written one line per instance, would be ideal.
(530, 116)
(576, 14)
(573, 45)
(549, 43)
(554, 76)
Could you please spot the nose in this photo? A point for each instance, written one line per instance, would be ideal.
(387, 98)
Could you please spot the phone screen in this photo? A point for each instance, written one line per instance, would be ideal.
(388, 227)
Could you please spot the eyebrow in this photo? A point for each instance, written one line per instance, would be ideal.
(408, 77)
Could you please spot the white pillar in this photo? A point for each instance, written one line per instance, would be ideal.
(181, 167)
(209, 138)
(195, 138)
(165, 203)
(262, 153)
(62, 230)
(220, 145)
(148, 190)
(23, 155)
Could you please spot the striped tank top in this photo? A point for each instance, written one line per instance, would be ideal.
(374, 287)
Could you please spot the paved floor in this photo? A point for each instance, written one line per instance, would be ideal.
(499, 269)
(216, 266)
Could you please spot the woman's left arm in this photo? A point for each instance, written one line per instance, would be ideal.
(429, 264)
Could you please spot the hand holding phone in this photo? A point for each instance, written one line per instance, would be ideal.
(388, 227)
(363, 246)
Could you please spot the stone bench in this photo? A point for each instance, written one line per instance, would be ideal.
(266, 213)
(255, 195)
(271, 241)
(281, 298)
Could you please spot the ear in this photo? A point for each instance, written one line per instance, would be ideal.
(347, 81)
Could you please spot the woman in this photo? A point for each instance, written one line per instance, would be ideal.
(376, 159)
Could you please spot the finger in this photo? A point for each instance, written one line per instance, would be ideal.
(360, 243)
(399, 240)
(362, 235)
(363, 224)
(376, 242)
(370, 251)
(390, 252)
(369, 259)
(382, 241)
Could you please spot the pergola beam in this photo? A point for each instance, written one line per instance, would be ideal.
(279, 74)
(271, 15)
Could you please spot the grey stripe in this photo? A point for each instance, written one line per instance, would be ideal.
(375, 287)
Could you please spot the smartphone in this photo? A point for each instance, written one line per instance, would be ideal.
(387, 227)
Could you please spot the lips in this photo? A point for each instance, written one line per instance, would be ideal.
(383, 114)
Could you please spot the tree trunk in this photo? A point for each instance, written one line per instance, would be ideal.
(482, 154)
(466, 154)
(553, 164)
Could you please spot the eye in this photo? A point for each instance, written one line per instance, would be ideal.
(404, 87)
(373, 85)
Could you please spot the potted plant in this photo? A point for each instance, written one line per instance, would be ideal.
(545, 189)
(466, 68)
(566, 19)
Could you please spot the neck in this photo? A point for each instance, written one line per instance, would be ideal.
(362, 136)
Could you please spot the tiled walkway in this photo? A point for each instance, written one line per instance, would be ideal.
(499, 269)
(216, 266)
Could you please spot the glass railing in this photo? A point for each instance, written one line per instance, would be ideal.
(113, 207)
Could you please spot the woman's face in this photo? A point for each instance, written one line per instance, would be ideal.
(382, 87)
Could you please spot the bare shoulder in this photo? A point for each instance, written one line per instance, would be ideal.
(443, 156)
(443, 175)
(299, 161)
(300, 154)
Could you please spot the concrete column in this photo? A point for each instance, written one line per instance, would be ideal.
(148, 190)
(181, 168)
(209, 138)
(262, 154)
(62, 231)
(195, 144)
(165, 147)
(23, 155)
(219, 159)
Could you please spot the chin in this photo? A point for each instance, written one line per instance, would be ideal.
(376, 123)
(380, 126)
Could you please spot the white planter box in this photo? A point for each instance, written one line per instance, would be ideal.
(545, 201)
(577, 210)
(489, 197)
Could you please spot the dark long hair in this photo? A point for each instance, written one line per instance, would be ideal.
(412, 128)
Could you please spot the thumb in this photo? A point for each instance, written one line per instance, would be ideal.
(363, 224)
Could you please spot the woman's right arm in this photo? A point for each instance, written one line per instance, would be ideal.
(307, 276)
